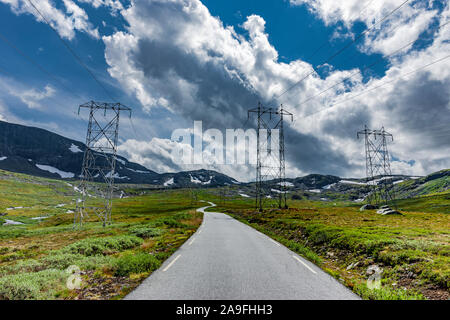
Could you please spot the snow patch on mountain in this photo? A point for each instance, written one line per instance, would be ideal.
(137, 171)
(121, 161)
(276, 190)
(75, 149)
(169, 182)
(329, 186)
(62, 174)
(116, 176)
(198, 181)
(353, 182)
(286, 184)
(195, 179)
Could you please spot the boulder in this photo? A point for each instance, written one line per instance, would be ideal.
(368, 207)
(391, 212)
(353, 265)
(386, 210)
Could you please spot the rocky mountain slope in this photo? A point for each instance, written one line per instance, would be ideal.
(42, 153)
(330, 188)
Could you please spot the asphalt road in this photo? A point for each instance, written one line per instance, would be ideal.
(226, 259)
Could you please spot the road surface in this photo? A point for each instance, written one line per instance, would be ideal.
(226, 259)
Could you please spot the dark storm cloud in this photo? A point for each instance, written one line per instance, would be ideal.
(202, 70)
(220, 100)
(422, 106)
(312, 155)
(349, 120)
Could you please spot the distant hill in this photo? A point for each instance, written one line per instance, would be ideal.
(330, 188)
(43, 153)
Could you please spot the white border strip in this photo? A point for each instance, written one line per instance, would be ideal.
(296, 258)
(170, 264)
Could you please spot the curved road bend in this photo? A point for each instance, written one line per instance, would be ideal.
(226, 259)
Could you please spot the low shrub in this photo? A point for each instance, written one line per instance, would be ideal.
(98, 246)
(135, 263)
(172, 223)
(28, 265)
(145, 231)
(386, 293)
(304, 251)
(62, 260)
(33, 285)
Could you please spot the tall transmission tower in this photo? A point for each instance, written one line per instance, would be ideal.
(378, 165)
(99, 161)
(270, 159)
(282, 201)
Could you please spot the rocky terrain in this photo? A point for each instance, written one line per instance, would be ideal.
(42, 153)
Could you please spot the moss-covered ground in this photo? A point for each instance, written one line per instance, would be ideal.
(40, 256)
(412, 250)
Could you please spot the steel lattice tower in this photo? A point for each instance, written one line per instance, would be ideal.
(378, 165)
(270, 163)
(193, 192)
(99, 161)
(282, 179)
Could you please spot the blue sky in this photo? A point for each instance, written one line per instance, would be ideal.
(294, 31)
(283, 35)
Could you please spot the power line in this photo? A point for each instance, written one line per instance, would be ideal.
(342, 49)
(376, 87)
(78, 59)
(363, 69)
(40, 67)
(72, 52)
(327, 41)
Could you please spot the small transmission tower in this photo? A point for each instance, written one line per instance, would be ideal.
(378, 165)
(193, 192)
(270, 162)
(99, 161)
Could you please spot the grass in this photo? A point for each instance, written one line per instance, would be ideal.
(135, 263)
(34, 257)
(413, 249)
(103, 246)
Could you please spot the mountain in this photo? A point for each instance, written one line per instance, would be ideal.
(330, 188)
(43, 153)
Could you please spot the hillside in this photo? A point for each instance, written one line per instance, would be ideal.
(45, 154)
(42, 153)
(331, 188)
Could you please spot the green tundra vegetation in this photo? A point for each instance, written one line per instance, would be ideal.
(35, 256)
(412, 249)
(149, 225)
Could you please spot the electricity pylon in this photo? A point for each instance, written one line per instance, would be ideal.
(378, 165)
(193, 192)
(270, 159)
(99, 161)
